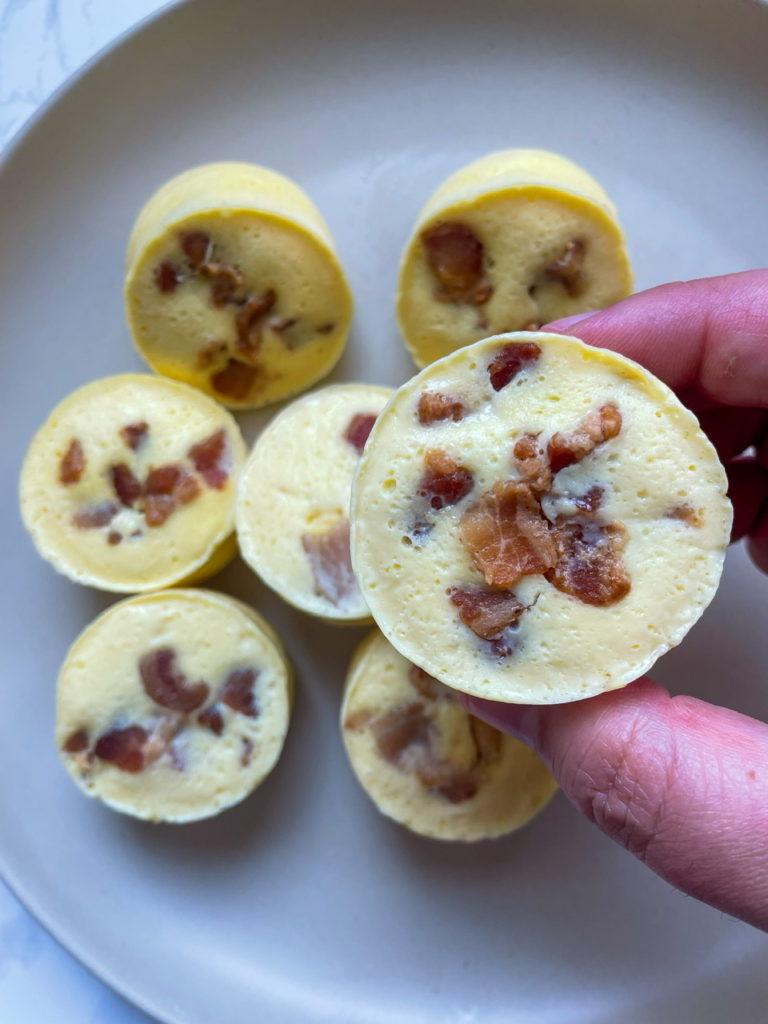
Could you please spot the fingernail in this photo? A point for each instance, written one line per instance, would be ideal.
(569, 321)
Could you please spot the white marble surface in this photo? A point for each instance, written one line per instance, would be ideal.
(42, 43)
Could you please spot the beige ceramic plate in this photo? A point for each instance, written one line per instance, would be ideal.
(303, 906)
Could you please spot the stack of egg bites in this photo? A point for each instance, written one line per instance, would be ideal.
(527, 519)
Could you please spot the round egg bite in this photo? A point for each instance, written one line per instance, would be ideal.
(292, 509)
(507, 243)
(233, 285)
(535, 520)
(130, 484)
(426, 762)
(173, 706)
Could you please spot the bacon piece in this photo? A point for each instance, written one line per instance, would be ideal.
(72, 463)
(455, 255)
(166, 277)
(172, 479)
(246, 752)
(210, 459)
(532, 466)
(160, 741)
(397, 730)
(235, 381)
(211, 719)
(589, 561)
(225, 279)
(591, 500)
(326, 328)
(249, 322)
(488, 740)
(238, 692)
(510, 360)
(124, 748)
(434, 406)
(166, 684)
(158, 508)
(93, 517)
(447, 780)
(567, 267)
(444, 481)
(685, 512)
(196, 246)
(487, 612)
(125, 485)
(331, 562)
(358, 429)
(114, 538)
(428, 686)
(134, 434)
(506, 534)
(358, 720)
(598, 426)
(76, 742)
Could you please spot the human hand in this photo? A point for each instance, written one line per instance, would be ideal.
(680, 783)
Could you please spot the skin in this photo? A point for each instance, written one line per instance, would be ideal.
(681, 784)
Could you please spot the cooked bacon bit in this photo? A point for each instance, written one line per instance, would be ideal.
(166, 277)
(507, 535)
(161, 739)
(358, 429)
(487, 612)
(685, 512)
(455, 256)
(135, 434)
(195, 245)
(211, 353)
(280, 326)
(246, 754)
(76, 742)
(209, 457)
(238, 692)
(125, 484)
(358, 720)
(567, 268)
(166, 685)
(531, 464)
(488, 741)
(158, 508)
(93, 517)
(397, 730)
(72, 464)
(172, 479)
(589, 563)
(428, 686)
(590, 501)
(434, 406)
(510, 360)
(250, 321)
(225, 280)
(124, 748)
(235, 381)
(326, 328)
(211, 719)
(447, 780)
(598, 426)
(114, 538)
(444, 481)
(331, 562)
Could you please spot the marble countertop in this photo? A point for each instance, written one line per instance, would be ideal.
(42, 43)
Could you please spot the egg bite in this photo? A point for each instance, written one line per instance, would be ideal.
(233, 285)
(130, 484)
(173, 706)
(536, 521)
(292, 509)
(509, 242)
(426, 762)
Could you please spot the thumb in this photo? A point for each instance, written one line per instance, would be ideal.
(683, 785)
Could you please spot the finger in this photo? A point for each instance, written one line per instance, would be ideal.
(679, 783)
(732, 431)
(748, 491)
(710, 334)
(757, 543)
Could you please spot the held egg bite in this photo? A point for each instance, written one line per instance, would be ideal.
(537, 521)
(426, 762)
(233, 285)
(509, 242)
(173, 706)
(292, 509)
(130, 484)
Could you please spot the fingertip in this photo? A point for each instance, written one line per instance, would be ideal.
(562, 325)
